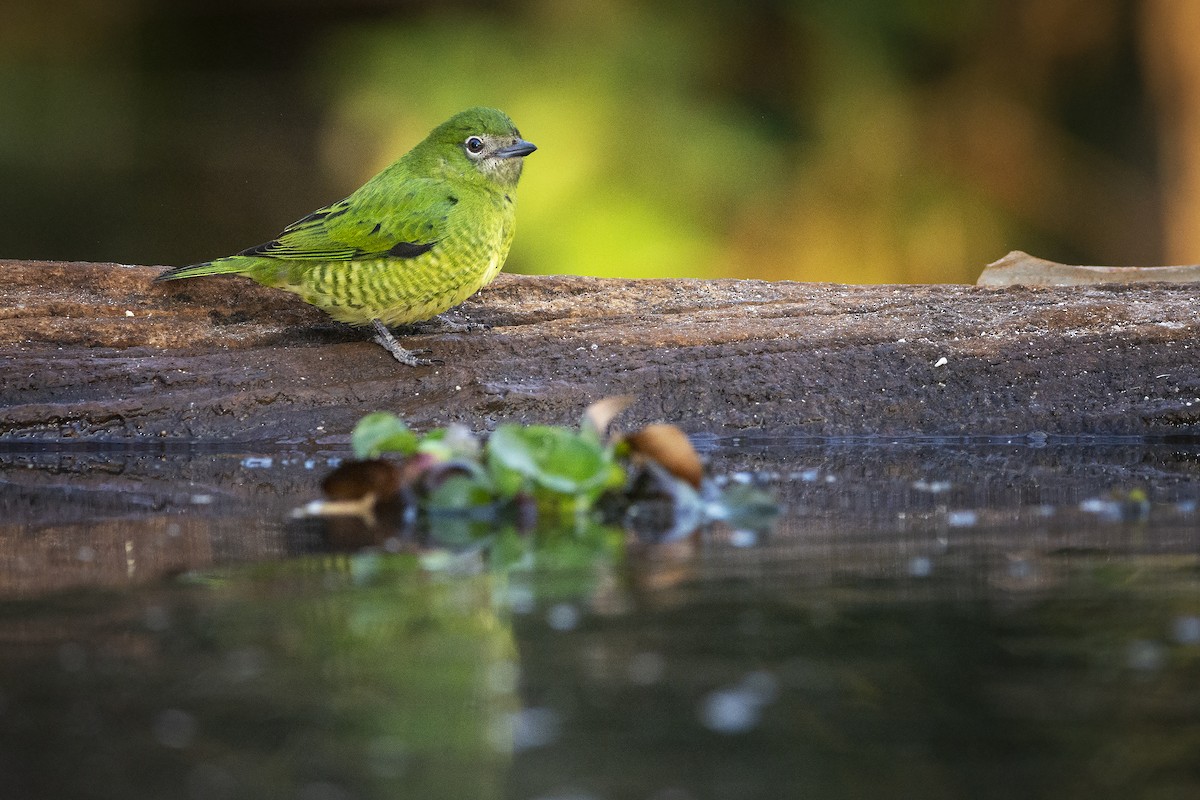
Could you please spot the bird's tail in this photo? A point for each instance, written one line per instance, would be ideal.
(220, 266)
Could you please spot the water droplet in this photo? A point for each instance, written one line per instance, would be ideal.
(535, 727)
(962, 519)
(1186, 630)
(520, 599)
(920, 566)
(1106, 509)
(1020, 569)
(257, 462)
(743, 538)
(562, 616)
(729, 711)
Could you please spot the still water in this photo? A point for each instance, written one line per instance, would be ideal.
(926, 620)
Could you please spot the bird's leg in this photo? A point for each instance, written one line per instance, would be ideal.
(445, 323)
(383, 337)
(456, 320)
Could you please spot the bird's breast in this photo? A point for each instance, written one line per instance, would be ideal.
(467, 256)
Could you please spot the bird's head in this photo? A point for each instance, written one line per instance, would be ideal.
(483, 140)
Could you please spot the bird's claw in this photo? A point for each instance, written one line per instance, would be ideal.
(443, 323)
(409, 357)
(383, 337)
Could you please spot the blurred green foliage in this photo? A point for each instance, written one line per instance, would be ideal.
(863, 141)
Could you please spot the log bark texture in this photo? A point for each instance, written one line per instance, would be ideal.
(99, 352)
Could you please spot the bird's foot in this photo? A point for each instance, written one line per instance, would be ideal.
(383, 337)
(450, 322)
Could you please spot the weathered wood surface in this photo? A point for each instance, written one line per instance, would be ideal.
(98, 352)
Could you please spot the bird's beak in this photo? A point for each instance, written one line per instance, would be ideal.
(518, 148)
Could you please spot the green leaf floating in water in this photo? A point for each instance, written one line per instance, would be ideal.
(452, 442)
(557, 460)
(382, 432)
(460, 492)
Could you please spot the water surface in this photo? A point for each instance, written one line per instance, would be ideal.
(927, 620)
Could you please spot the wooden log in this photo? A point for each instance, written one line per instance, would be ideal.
(99, 352)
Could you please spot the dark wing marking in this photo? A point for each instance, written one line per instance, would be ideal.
(410, 249)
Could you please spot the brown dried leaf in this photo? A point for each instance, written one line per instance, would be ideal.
(357, 479)
(602, 412)
(668, 446)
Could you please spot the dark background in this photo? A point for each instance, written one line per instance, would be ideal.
(857, 141)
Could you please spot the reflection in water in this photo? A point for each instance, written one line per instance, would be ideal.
(928, 621)
(319, 677)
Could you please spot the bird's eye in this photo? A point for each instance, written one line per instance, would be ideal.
(474, 144)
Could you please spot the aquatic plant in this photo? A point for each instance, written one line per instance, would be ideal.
(651, 480)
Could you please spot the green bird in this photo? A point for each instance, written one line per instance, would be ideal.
(417, 239)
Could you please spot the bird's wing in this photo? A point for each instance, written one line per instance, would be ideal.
(366, 227)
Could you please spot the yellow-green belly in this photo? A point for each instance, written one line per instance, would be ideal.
(400, 291)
